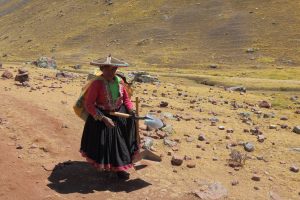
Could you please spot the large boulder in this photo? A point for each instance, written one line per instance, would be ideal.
(45, 62)
(143, 77)
(7, 74)
(23, 75)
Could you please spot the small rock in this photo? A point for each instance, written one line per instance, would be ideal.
(284, 118)
(177, 160)
(22, 77)
(283, 126)
(234, 182)
(19, 146)
(163, 104)
(169, 143)
(256, 177)
(191, 164)
(229, 130)
(214, 191)
(296, 129)
(249, 147)
(221, 128)
(272, 126)
(189, 139)
(261, 138)
(274, 196)
(22, 70)
(265, 104)
(294, 169)
(7, 74)
(201, 137)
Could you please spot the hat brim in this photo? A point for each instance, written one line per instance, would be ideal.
(95, 63)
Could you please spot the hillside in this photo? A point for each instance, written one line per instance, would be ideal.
(169, 33)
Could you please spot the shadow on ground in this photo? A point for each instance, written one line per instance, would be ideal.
(80, 177)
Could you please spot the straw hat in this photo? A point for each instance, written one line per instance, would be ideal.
(109, 61)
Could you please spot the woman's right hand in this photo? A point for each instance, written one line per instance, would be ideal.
(108, 122)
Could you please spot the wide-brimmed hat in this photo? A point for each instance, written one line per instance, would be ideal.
(109, 61)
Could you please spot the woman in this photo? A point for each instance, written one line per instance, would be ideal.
(109, 142)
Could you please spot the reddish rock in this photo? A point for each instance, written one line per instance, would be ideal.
(7, 74)
(265, 104)
(191, 164)
(294, 169)
(255, 177)
(177, 160)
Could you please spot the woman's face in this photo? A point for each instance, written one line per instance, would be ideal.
(109, 72)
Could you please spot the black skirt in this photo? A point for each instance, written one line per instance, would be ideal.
(110, 149)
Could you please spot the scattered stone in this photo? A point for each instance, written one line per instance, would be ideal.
(297, 111)
(274, 196)
(229, 130)
(261, 138)
(296, 129)
(19, 146)
(265, 104)
(64, 75)
(214, 191)
(163, 104)
(256, 177)
(148, 143)
(161, 134)
(284, 126)
(237, 88)
(272, 126)
(227, 137)
(22, 70)
(250, 50)
(189, 139)
(22, 76)
(256, 188)
(7, 74)
(294, 169)
(234, 182)
(168, 129)
(284, 118)
(177, 160)
(169, 143)
(187, 157)
(221, 128)
(213, 66)
(201, 137)
(191, 164)
(215, 159)
(45, 62)
(64, 126)
(249, 147)
(268, 115)
(143, 77)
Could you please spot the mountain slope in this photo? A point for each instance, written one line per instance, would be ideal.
(172, 33)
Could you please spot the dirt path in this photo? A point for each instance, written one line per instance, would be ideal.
(32, 139)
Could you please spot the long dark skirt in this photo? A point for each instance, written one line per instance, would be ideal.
(110, 148)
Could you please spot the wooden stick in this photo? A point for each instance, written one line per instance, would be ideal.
(118, 114)
(137, 125)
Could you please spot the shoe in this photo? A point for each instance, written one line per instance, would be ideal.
(123, 175)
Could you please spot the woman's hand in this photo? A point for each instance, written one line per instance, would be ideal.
(108, 122)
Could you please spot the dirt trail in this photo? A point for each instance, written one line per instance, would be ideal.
(33, 139)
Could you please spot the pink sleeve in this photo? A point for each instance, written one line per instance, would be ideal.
(91, 98)
(127, 102)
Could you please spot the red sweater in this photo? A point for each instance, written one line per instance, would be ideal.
(99, 95)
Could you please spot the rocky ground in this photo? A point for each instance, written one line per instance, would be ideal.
(216, 144)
